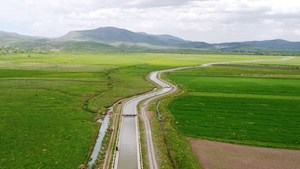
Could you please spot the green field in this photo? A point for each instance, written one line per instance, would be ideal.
(41, 115)
(50, 101)
(255, 105)
(48, 116)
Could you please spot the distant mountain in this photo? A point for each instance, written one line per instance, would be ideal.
(195, 45)
(7, 38)
(116, 39)
(14, 40)
(112, 34)
(276, 44)
(13, 36)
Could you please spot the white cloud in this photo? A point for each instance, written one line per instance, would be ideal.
(203, 20)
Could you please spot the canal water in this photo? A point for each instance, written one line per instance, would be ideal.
(98, 145)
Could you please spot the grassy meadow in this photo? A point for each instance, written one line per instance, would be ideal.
(50, 101)
(43, 124)
(246, 104)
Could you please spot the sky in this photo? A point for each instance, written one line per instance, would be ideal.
(197, 20)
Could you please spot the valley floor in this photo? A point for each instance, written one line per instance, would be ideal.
(50, 103)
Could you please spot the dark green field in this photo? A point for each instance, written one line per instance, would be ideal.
(256, 105)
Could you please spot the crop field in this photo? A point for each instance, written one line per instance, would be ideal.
(41, 115)
(246, 104)
(50, 101)
(219, 155)
(48, 111)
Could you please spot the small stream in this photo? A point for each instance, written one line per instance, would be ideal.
(98, 145)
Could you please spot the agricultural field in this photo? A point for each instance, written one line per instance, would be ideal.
(108, 85)
(48, 113)
(50, 101)
(43, 124)
(219, 155)
(246, 104)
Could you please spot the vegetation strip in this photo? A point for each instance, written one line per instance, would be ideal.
(243, 95)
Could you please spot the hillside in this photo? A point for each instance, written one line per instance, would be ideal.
(8, 38)
(111, 34)
(277, 44)
(116, 39)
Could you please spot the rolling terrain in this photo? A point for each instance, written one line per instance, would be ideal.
(117, 39)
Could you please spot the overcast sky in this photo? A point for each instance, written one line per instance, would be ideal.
(200, 20)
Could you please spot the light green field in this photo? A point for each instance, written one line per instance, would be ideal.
(256, 105)
(49, 102)
(75, 61)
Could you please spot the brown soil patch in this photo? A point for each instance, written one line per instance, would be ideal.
(216, 155)
(150, 114)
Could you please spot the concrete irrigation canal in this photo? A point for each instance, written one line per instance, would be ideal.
(128, 156)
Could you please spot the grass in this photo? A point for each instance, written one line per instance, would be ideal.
(255, 105)
(172, 148)
(43, 119)
(43, 127)
(54, 60)
(143, 145)
(49, 101)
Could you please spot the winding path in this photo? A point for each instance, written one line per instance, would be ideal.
(128, 153)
